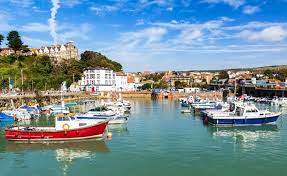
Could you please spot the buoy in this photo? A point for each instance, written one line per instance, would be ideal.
(109, 135)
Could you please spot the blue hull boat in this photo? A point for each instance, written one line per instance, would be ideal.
(244, 121)
(6, 118)
(245, 114)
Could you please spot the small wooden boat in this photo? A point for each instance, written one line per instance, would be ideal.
(66, 128)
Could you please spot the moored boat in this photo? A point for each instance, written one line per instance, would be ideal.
(66, 128)
(6, 118)
(246, 114)
(18, 114)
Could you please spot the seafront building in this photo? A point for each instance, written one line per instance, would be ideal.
(100, 79)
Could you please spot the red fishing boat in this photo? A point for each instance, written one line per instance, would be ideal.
(66, 128)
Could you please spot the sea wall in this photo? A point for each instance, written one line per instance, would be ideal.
(10, 102)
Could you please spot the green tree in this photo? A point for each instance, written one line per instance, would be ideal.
(1, 40)
(95, 59)
(268, 73)
(161, 85)
(14, 41)
(146, 86)
(180, 85)
(223, 75)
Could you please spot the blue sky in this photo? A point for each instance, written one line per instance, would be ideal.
(158, 34)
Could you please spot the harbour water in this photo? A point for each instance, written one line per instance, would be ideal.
(158, 140)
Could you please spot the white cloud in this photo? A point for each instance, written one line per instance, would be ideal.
(23, 3)
(232, 3)
(102, 9)
(52, 20)
(35, 27)
(35, 42)
(147, 36)
(254, 25)
(71, 3)
(140, 22)
(249, 10)
(71, 32)
(271, 34)
(4, 24)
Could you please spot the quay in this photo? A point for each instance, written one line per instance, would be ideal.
(10, 101)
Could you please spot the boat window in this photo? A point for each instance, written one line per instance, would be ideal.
(82, 124)
(66, 119)
(72, 118)
(60, 119)
(239, 111)
(251, 110)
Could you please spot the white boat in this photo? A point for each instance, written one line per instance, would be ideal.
(101, 111)
(116, 119)
(282, 101)
(57, 109)
(114, 114)
(19, 114)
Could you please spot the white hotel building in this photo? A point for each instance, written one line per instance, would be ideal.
(103, 79)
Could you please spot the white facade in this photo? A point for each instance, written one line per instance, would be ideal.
(102, 79)
(121, 82)
(191, 89)
(99, 79)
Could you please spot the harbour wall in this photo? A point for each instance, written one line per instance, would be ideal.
(10, 102)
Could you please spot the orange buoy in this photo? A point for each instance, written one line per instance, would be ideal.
(109, 135)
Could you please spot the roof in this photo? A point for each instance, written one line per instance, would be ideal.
(120, 74)
(97, 68)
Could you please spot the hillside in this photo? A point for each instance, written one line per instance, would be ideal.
(42, 73)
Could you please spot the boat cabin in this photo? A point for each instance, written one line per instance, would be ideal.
(245, 110)
(66, 123)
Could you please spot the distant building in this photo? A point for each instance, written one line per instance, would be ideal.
(6, 51)
(185, 79)
(121, 81)
(59, 52)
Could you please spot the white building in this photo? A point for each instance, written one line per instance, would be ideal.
(103, 79)
(121, 81)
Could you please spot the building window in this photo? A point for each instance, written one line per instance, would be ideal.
(98, 81)
(98, 76)
(106, 82)
(92, 71)
(92, 76)
(106, 76)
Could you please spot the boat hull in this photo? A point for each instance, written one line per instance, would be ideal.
(244, 121)
(29, 135)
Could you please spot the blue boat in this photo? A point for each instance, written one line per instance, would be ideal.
(6, 118)
(243, 115)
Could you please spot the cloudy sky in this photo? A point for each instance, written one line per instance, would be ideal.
(158, 34)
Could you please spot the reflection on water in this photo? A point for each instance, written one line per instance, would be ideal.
(118, 129)
(246, 136)
(65, 153)
(4, 124)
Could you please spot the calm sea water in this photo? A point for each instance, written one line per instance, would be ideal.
(158, 140)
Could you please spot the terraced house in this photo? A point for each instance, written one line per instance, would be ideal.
(59, 52)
